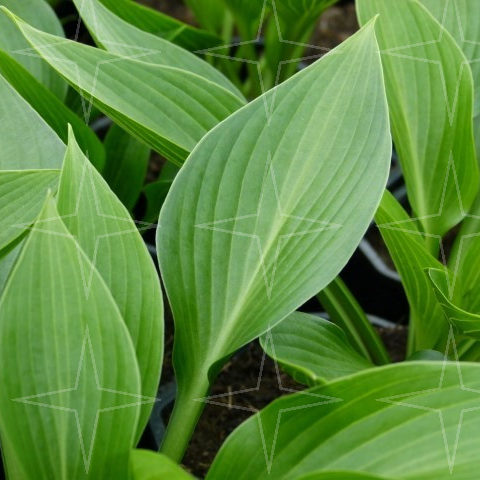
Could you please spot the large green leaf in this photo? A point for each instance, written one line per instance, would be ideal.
(107, 234)
(22, 193)
(40, 15)
(462, 19)
(164, 26)
(118, 36)
(274, 201)
(126, 166)
(411, 257)
(168, 108)
(415, 421)
(430, 95)
(27, 141)
(312, 350)
(70, 387)
(53, 111)
(149, 465)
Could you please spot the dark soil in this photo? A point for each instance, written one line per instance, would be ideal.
(248, 383)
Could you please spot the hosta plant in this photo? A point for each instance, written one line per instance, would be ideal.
(266, 195)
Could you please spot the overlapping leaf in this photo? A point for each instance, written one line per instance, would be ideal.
(411, 257)
(70, 380)
(466, 322)
(312, 350)
(462, 19)
(30, 154)
(22, 193)
(168, 108)
(344, 310)
(53, 111)
(27, 141)
(106, 233)
(164, 26)
(404, 421)
(41, 15)
(119, 37)
(274, 202)
(430, 93)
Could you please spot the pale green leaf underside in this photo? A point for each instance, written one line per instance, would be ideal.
(148, 465)
(411, 257)
(41, 16)
(430, 93)
(384, 421)
(22, 193)
(27, 141)
(167, 108)
(274, 202)
(60, 347)
(312, 350)
(122, 38)
(107, 234)
(52, 110)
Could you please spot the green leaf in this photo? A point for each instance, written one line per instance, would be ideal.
(8, 257)
(411, 257)
(466, 322)
(462, 19)
(272, 207)
(148, 465)
(210, 14)
(312, 350)
(126, 167)
(171, 118)
(162, 25)
(40, 15)
(464, 260)
(70, 380)
(344, 475)
(27, 141)
(22, 193)
(51, 109)
(107, 234)
(119, 37)
(344, 310)
(289, 33)
(385, 421)
(248, 14)
(430, 95)
(156, 192)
